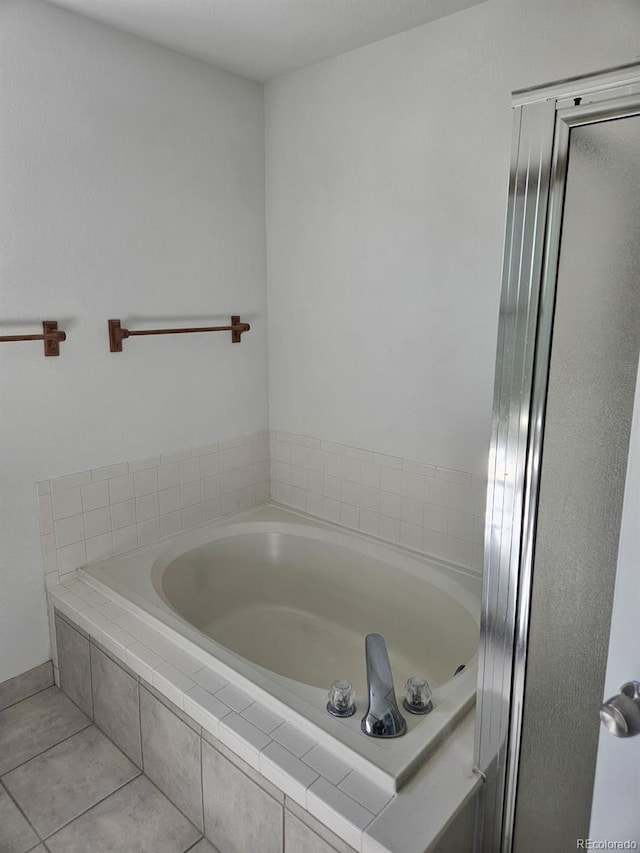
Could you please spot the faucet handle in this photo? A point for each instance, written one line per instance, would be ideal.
(341, 695)
(417, 696)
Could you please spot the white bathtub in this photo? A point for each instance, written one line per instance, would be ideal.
(282, 603)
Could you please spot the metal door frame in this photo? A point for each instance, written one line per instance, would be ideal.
(542, 120)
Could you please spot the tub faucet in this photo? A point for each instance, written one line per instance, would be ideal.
(383, 717)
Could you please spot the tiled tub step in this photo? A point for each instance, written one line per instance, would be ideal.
(289, 792)
(222, 795)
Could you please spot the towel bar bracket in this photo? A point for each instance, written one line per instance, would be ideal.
(51, 336)
(236, 328)
(116, 335)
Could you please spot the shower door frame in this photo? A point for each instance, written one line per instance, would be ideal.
(542, 121)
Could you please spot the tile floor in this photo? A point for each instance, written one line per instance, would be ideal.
(66, 788)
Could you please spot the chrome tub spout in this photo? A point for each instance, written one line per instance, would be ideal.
(383, 717)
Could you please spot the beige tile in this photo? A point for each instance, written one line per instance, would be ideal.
(363, 791)
(335, 808)
(66, 503)
(262, 717)
(109, 471)
(70, 481)
(327, 764)
(293, 739)
(69, 530)
(287, 772)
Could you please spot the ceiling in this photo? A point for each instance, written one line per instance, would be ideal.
(262, 39)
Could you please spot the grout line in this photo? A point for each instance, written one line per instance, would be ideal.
(42, 752)
(143, 684)
(193, 846)
(199, 736)
(93, 704)
(202, 787)
(140, 724)
(24, 698)
(19, 807)
(82, 711)
(202, 741)
(57, 613)
(172, 803)
(284, 835)
(240, 770)
(97, 803)
(312, 829)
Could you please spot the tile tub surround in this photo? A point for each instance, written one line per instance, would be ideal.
(283, 764)
(436, 511)
(93, 514)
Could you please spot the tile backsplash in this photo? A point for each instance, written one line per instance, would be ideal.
(435, 510)
(105, 511)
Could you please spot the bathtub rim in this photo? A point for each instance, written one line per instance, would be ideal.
(389, 763)
(412, 562)
(424, 573)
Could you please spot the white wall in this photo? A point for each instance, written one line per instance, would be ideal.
(387, 172)
(132, 186)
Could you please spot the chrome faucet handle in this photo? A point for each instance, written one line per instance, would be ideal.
(383, 717)
(341, 695)
(417, 696)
